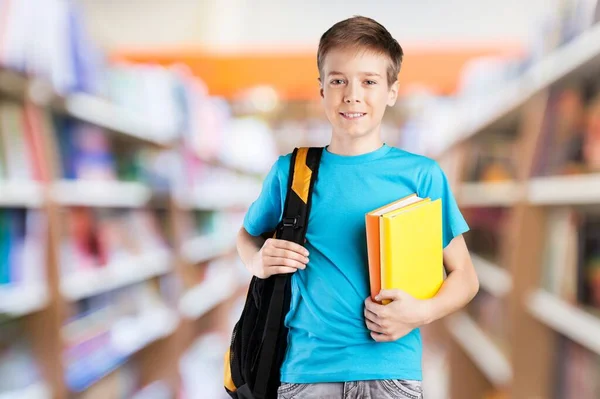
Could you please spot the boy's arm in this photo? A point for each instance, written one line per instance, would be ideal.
(460, 286)
(248, 246)
(405, 313)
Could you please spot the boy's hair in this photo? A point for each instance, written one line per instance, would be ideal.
(362, 33)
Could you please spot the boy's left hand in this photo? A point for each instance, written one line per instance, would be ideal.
(396, 319)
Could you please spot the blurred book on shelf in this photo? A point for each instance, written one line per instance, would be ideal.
(576, 372)
(569, 141)
(48, 39)
(21, 154)
(22, 247)
(103, 331)
(95, 238)
(493, 159)
(571, 258)
(488, 230)
(589, 275)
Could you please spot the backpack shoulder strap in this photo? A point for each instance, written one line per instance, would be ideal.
(304, 168)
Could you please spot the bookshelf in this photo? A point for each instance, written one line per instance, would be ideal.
(154, 341)
(538, 279)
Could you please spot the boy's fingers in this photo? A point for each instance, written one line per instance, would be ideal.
(285, 253)
(373, 327)
(372, 316)
(292, 246)
(273, 261)
(380, 337)
(374, 307)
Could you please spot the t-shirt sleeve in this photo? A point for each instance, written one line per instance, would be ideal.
(265, 212)
(435, 185)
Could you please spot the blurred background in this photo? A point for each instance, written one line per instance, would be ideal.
(134, 134)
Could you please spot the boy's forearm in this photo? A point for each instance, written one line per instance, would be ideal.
(248, 246)
(458, 289)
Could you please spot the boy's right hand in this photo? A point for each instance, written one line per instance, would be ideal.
(278, 257)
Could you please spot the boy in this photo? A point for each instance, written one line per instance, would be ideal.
(341, 344)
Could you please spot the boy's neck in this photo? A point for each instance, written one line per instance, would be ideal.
(354, 146)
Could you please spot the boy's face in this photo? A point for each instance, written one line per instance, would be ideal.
(355, 91)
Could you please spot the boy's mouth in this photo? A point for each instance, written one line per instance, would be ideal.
(352, 115)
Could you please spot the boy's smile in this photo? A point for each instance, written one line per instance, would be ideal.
(355, 92)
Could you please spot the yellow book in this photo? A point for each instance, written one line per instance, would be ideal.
(411, 248)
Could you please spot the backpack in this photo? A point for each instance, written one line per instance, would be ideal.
(259, 339)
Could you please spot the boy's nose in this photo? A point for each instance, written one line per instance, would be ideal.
(351, 98)
(352, 94)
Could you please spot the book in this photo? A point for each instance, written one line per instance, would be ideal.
(405, 248)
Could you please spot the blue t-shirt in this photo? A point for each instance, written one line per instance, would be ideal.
(328, 340)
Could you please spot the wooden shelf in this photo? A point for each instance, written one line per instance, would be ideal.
(580, 55)
(118, 274)
(202, 298)
(19, 300)
(493, 278)
(34, 391)
(480, 349)
(205, 248)
(565, 190)
(489, 194)
(27, 194)
(566, 319)
(110, 194)
(14, 85)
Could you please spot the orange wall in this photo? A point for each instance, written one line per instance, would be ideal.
(294, 76)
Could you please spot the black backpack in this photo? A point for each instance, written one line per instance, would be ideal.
(259, 339)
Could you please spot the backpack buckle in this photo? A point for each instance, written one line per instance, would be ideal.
(290, 222)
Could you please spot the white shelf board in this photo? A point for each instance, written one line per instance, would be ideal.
(565, 190)
(569, 320)
(101, 193)
(103, 113)
(223, 202)
(205, 248)
(480, 349)
(493, 278)
(205, 296)
(489, 194)
(582, 53)
(131, 270)
(21, 299)
(34, 391)
(24, 193)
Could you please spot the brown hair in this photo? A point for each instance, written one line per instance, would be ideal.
(362, 33)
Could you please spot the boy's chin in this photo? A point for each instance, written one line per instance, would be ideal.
(353, 132)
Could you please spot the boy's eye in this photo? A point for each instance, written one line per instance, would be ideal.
(337, 81)
(370, 82)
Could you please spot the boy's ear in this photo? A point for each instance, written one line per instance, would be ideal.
(320, 87)
(393, 94)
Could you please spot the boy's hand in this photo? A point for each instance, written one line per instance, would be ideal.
(396, 319)
(278, 257)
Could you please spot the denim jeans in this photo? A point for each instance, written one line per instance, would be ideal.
(375, 389)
